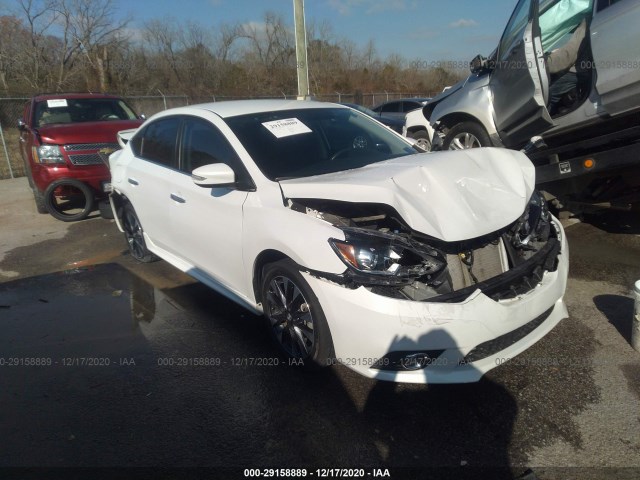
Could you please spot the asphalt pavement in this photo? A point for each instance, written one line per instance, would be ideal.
(105, 362)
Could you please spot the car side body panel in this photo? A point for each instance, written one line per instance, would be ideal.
(616, 52)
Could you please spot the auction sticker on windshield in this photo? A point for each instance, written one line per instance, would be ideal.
(286, 127)
(62, 102)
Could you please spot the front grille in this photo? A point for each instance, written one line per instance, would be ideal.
(76, 147)
(91, 155)
(496, 345)
(86, 159)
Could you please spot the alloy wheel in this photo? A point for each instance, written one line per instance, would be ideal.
(463, 141)
(133, 233)
(290, 317)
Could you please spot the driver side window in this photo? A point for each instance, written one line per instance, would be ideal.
(515, 29)
(203, 144)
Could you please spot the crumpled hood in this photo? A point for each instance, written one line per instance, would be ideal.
(453, 196)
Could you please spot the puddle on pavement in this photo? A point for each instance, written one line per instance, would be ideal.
(103, 307)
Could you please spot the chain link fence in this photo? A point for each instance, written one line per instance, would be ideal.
(11, 109)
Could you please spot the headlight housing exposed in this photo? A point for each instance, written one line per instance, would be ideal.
(391, 258)
(49, 154)
(534, 224)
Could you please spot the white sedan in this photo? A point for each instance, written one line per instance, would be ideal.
(403, 266)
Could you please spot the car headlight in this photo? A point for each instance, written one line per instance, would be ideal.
(388, 255)
(47, 154)
(535, 222)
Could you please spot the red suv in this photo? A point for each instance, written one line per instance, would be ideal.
(61, 139)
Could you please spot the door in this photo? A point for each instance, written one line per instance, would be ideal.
(519, 83)
(207, 222)
(615, 44)
(148, 176)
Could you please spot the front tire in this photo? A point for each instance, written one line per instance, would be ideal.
(39, 199)
(294, 315)
(134, 235)
(466, 135)
(104, 207)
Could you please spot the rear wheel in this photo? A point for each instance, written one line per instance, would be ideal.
(134, 234)
(69, 200)
(466, 135)
(422, 140)
(295, 318)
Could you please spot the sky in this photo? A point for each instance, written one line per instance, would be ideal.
(425, 31)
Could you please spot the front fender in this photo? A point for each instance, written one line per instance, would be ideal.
(473, 100)
(301, 237)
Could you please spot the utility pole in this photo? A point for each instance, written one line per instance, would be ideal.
(301, 50)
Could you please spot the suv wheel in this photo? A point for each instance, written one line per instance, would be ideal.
(134, 234)
(39, 199)
(295, 319)
(466, 135)
(68, 200)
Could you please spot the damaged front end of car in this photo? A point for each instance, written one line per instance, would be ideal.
(384, 255)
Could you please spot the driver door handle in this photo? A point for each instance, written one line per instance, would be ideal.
(176, 198)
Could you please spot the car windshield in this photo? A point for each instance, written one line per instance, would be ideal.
(307, 142)
(76, 110)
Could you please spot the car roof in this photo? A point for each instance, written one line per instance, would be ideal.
(233, 108)
(407, 99)
(412, 99)
(51, 96)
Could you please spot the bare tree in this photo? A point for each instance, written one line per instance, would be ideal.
(89, 29)
(39, 16)
(163, 42)
(13, 38)
(227, 36)
(269, 58)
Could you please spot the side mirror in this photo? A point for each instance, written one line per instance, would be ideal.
(142, 116)
(216, 175)
(478, 64)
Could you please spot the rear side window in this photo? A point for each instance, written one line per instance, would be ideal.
(602, 4)
(410, 106)
(157, 142)
(393, 107)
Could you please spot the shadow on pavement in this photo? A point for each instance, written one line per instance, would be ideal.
(131, 376)
(619, 311)
(615, 221)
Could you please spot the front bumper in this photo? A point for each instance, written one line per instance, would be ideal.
(92, 175)
(366, 327)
